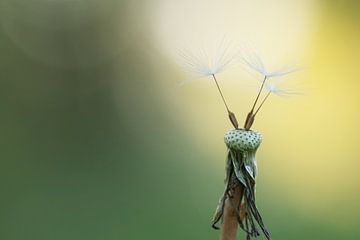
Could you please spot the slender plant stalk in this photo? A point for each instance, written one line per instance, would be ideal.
(222, 96)
(257, 97)
(231, 115)
(262, 102)
(230, 220)
(251, 116)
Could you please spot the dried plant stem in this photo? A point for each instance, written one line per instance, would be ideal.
(230, 219)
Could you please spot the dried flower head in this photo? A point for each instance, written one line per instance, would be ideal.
(237, 204)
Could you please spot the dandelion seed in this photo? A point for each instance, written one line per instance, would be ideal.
(273, 88)
(253, 61)
(203, 66)
(277, 90)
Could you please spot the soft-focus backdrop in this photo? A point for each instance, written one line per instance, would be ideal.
(99, 141)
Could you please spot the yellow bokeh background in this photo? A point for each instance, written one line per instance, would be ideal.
(309, 153)
(100, 141)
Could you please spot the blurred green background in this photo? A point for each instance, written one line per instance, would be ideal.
(99, 142)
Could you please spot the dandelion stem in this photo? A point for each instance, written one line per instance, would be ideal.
(267, 95)
(230, 218)
(257, 97)
(222, 96)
